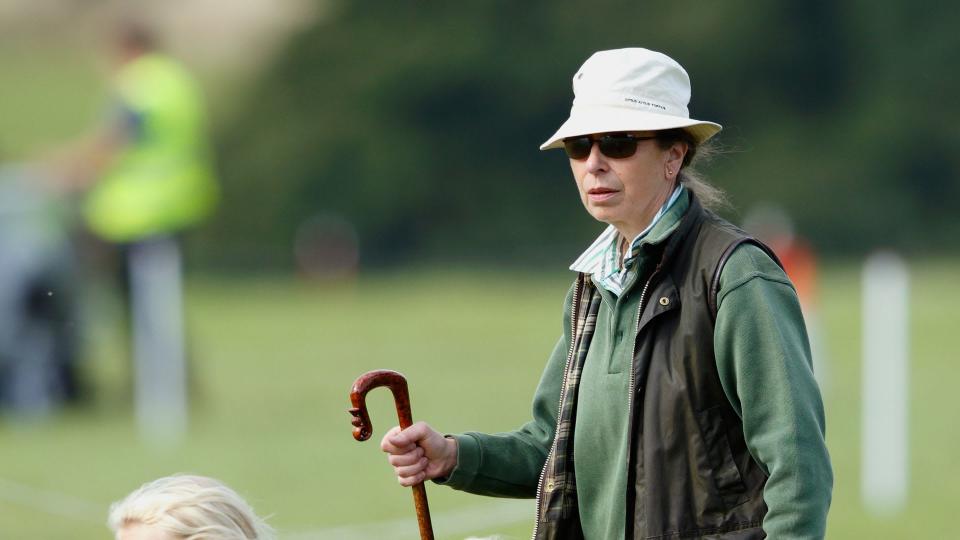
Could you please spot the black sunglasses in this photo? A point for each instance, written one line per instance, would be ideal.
(612, 145)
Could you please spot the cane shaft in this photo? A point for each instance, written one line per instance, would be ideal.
(423, 512)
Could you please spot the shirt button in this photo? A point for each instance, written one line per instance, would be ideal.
(664, 301)
(550, 485)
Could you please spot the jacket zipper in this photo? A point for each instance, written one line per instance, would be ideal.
(574, 316)
(643, 297)
(563, 385)
(633, 382)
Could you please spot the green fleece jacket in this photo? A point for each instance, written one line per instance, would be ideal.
(763, 359)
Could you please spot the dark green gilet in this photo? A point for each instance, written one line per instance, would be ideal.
(691, 475)
(691, 472)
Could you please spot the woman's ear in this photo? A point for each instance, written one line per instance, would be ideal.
(675, 155)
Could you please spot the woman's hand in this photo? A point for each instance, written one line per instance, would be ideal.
(419, 453)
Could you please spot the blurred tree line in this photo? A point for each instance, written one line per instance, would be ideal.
(419, 123)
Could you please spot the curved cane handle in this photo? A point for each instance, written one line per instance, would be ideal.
(363, 428)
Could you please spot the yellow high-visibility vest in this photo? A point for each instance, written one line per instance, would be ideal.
(162, 180)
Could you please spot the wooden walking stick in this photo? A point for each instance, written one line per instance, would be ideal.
(363, 429)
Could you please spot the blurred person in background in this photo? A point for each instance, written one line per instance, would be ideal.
(186, 507)
(774, 227)
(680, 400)
(148, 177)
(38, 334)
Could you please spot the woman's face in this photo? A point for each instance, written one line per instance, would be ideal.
(628, 192)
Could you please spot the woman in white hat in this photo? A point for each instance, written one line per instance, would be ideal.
(680, 401)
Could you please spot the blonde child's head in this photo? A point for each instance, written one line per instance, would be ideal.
(185, 507)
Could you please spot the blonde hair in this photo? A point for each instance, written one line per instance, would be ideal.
(190, 507)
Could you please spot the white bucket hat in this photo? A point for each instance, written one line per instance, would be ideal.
(630, 90)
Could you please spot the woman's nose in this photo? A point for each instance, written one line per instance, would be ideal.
(596, 161)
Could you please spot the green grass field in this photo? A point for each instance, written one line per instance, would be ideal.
(274, 361)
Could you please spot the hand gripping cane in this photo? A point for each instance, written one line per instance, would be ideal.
(363, 429)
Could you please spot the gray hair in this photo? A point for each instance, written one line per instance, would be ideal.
(710, 196)
(191, 508)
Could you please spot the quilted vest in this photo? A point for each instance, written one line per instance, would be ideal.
(691, 472)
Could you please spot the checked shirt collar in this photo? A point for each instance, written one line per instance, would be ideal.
(604, 261)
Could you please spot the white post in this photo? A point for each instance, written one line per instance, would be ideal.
(885, 377)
